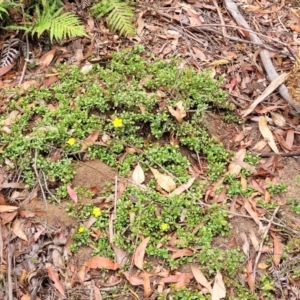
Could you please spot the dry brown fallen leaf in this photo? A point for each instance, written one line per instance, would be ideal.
(266, 133)
(97, 293)
(5, 69)
(260, 145)
(147, 286)
(47, 58)
(251, 212)
(250, 275)
(182, 253)
(7, 208)
(90, 140)
(138, 175)
(274, 84)
(7, 217)
(139, 253)
(53, 275)
(12, 117)
(200, 278)
(134, 280)
(72, 193)
(164, 181)
(184, 187)
(246, 245)
(219, 290)
(278, 249)
(278, 119)
(254, 239)
(98, 262)
(18, 230)
(179, 113)
(235, 168)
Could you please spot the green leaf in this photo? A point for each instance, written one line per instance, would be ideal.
(119, 15)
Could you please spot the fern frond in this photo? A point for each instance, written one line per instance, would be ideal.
(60, 25)
(119, 15)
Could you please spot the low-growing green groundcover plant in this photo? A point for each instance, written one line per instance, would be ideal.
(141, 214)
(127, 101)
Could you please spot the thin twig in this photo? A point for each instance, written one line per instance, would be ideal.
(208, 26)
(1, 247)
(10, 254)
(282, 154)
(221, 18)
(38, 179)
(262, 242)
(26, 61)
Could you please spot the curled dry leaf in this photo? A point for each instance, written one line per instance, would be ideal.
(140, 252)
(138, 175)
(164, 181)
(219, 290)
(98, 262)
(17, 228)
(267, 134)
(200, 278)
(179, 113)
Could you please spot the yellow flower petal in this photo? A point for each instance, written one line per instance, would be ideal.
(117, 122)
(71, 141)
(96, 211)
(164, 226)
(81, 229)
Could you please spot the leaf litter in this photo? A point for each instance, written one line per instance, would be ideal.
(282, 133)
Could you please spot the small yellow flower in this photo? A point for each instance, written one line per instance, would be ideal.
(96, 211)
(164, 227)
(71, 141)
(117, 122)
(81, 229)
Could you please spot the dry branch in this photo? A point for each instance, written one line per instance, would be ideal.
(264, 54)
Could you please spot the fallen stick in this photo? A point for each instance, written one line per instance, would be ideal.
(264, 54)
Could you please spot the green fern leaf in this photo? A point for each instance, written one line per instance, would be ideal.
(119, 15)
(60, 25)
(66, 25)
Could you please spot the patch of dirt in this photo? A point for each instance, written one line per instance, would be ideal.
(93, 173)
(217, 128)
